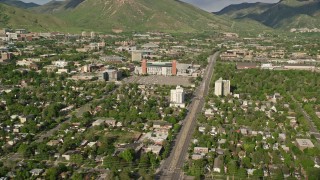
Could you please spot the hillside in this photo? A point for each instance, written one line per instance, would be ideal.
(131, 15)
(19, 4)
(285, 15)
(242, 10)
(56, 6)
(128, 15)
(21, 18)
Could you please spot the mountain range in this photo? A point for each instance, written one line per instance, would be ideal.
(57, 6)
(19, 4)
(285, 14)
(159, 15)
(22, 18)
(130, 15)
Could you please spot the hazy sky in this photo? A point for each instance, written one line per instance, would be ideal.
(217, 5)
(37, 1)
(208, 5)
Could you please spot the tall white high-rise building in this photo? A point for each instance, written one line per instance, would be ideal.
(92, 34)
(177, 97)
(218, 85)
(222, 87)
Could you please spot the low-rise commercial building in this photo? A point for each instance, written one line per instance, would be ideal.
(157, 68)
(304, 144)
(299, 67)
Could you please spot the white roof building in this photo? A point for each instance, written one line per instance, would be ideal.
(98, 122)
(304, 143)
(177, 97)
(154, 149)
(222, 87)
(60, 63)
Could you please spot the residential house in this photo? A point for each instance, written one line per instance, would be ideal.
(135, 146)
(24, 119)
(111, 122)
(244, 131)
(91, 144)
(217, 165)
(36, 172)
(197, 156)
(66, 157)
(201, 150)
(162, 125)
(250, 171)
(208, 112)
(316, 162)
(60, 63)
(98, 122)
(53, 143)
(201, 129)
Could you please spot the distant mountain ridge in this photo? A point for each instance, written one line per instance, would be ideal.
(53, 6)
(23, 18)
(285, 14)
(126, 15)
(243, 9)
(134, 15)
(19, 4)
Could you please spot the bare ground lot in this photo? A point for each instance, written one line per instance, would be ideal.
(161, 80)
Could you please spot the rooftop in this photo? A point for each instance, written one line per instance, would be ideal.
(305, 143)
(162, 64)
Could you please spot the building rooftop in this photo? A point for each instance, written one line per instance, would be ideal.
(217, 162)
(305, 143)
(157, 64)
(245, 65)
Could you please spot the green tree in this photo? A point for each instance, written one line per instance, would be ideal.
(25, 150)
(306, 162)
(246, 162)
(242, 173)
(232, 167)
(127, 155)
(76, 176)
(258, 173)
(313, 173)
(197, 168)
(4, 18)
(52, 173)
(124, 175)
(144, 161)
(22, 174)
(76, 158)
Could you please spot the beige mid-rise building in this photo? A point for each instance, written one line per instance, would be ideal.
(177, 97)
(222, 87)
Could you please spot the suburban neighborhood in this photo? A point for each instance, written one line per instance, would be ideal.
(159, 105)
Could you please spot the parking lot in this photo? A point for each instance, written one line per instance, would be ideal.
(161, 80)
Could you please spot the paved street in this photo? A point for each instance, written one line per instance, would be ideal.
(171, 168)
